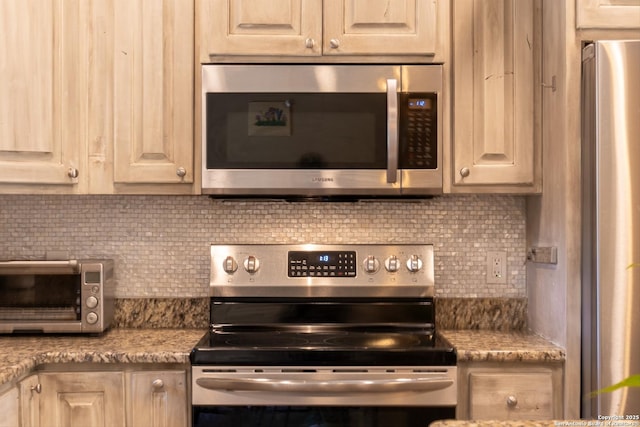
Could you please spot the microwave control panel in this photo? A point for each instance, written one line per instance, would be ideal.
(418, 131)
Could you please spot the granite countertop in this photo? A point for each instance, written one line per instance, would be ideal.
(19, 355)
(498, 346)
(489, 423)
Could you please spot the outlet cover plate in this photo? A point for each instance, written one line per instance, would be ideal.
(496, 267)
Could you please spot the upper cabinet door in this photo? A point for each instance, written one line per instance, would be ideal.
(384, 27)
(43, 80)
(617, 14)
(259, 27)
(153, 91)
(494, 95)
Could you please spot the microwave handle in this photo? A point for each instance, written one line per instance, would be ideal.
(392, 130)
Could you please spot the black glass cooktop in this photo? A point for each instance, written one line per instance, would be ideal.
(378, 347)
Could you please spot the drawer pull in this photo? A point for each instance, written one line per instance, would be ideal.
(157, 384)
(512, 401)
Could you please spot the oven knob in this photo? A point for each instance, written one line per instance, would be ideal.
(392, 264)
(91, 302)
(229, 265)
(251, 264)
(414, 263)
(92, 318)
(371, 264)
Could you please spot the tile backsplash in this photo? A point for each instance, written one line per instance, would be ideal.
(160, 243)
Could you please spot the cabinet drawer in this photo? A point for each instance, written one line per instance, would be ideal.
(510, 396)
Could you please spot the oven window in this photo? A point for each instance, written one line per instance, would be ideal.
(296, 130)
(40, 297)
(317, 416)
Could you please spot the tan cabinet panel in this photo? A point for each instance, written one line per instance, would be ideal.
(43, 81)
(30, 401)
(158, 399)
(153, 91)
(523, 396)
(494, 138)
(82, 398)
(9, 408)
(257, 27)
(380, 27)
(611, 14)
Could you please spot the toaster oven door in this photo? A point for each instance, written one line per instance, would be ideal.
(40, 297)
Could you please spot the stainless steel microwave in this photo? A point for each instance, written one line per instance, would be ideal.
(69, 296)
(321, 130)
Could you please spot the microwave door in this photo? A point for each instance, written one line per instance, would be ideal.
(300, 143)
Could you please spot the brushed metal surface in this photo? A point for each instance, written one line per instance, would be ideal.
(611, 132)
(287, 78)
(272, 277)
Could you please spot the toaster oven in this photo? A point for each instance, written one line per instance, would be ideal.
(71, 296)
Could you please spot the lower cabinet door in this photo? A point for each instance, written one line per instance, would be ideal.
(82, 399)
(9, 408)
(158, 399)
(513, 396)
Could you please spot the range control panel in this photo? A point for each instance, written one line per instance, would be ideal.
(322, 264)
(322, 270)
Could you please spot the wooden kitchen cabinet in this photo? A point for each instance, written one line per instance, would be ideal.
(608, 14)
(496, 88)
(510, 391)
(158, 398)
(99, 97)
(120, 396)
(91, 399)
(311, 28)
(30, 401)
(10, 408)
(43, 82)
(153, 93)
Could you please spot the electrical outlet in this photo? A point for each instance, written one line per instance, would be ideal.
(497, 267)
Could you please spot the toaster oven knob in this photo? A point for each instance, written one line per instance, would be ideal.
(414, 263)
(92, 318)
(229, 265)
(91, 302)
(251, 264)
(371, 264)
(392, 264)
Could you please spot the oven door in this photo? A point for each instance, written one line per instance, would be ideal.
(327, 396)
(300, 129)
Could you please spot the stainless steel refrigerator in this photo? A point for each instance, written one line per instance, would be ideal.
(611, 225)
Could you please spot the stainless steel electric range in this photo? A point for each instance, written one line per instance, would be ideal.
(322, 335)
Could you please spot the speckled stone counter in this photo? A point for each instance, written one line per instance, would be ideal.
(19, 355)
(498, 346)
(550, 423)
(498, 314)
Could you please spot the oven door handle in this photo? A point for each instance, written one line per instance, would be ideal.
(322, 387)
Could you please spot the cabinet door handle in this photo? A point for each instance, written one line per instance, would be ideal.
(157, 383)
(334, 43)
(37, 388)
(512, 401)
(464, 172)
(309, 43)
(181, 172)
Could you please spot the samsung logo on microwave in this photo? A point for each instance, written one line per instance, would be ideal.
(321, 179)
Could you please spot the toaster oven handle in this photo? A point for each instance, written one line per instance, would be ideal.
(392, 130)
(39, 267)
(323, 387)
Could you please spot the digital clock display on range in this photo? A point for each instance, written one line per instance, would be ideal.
(322, 264)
